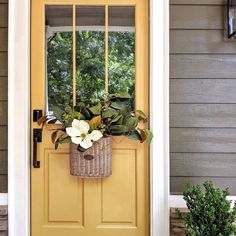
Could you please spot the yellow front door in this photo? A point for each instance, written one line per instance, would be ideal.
(78, 47)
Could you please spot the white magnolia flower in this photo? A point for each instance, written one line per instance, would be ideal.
(79, 133)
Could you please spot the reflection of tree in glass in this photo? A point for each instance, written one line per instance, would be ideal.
(90, 65)
(59, 69)
(121, 63)
(90, 76)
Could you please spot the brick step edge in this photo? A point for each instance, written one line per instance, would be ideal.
(3, 220)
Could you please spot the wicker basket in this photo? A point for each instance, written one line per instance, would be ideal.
(96, 162)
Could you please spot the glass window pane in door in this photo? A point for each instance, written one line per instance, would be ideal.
(121, 52)
(59, 66)
(90, 53)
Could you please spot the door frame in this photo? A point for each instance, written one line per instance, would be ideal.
(19, 117)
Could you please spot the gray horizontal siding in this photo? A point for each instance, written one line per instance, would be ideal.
(3, 183)
(203, 90)
(3, 137)
(203, 115)
(198, 2)
(3, 162)
(3, 39)
(178, 184)
(202, 96)
(203, 140)
(3, 88)
(3, 15)
(202, 66)
(3, 103)
(203, 164)
(200, 42)
(196, 17)
(3, 113)
(3, 63)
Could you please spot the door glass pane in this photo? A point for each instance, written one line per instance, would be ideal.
(90, 53)
(121, 54)
(59, 66)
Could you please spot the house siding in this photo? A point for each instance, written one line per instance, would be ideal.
(3, 97)
(202, 96)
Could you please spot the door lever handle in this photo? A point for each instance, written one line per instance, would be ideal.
(37, 138)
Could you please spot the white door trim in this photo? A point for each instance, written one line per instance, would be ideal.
(19, 117)
(159, 114)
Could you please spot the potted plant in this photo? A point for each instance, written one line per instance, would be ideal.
(89, 128)
(210, 213)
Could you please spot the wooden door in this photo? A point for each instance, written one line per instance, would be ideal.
(65, 205)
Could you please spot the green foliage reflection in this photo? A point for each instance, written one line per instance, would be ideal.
(90, 71)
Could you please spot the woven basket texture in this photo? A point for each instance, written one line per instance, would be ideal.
(95, 162)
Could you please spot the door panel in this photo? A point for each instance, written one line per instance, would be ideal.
(65, 205)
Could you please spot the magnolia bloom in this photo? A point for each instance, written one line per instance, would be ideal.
(79, 133)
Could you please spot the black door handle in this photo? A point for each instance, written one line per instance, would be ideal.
(37, 137)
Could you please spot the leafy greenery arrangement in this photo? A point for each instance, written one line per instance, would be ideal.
(87, 123)
(210, 213)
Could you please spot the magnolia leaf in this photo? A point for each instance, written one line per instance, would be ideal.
(118, 120)
(42, 120)
(131, 122)
(141, 116)
(149, 135)
(77, 115)
(143, 135)
(96, 110)
(85, 112)
(134, 136)
(118, 105)
(54, 136)
(118, 129)
(97, 120)
(66, 139)
(56, 145)
(109, 112)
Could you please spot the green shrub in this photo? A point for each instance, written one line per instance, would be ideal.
(210, 213)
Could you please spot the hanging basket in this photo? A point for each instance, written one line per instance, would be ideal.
(96, 162)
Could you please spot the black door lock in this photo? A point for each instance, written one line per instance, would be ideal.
(37, 114)
(37, 138)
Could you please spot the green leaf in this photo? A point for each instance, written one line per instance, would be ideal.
(131, 122)
(141, 115)
(77, 115)
(118, 105)
(117, 120)
(96, 110)
(149, 135)
(134, 136)
(85, 112)
(110, 112)
(118, 129)
(66, 139)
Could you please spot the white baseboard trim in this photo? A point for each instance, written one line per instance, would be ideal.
(3, 199)
(177, 201)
